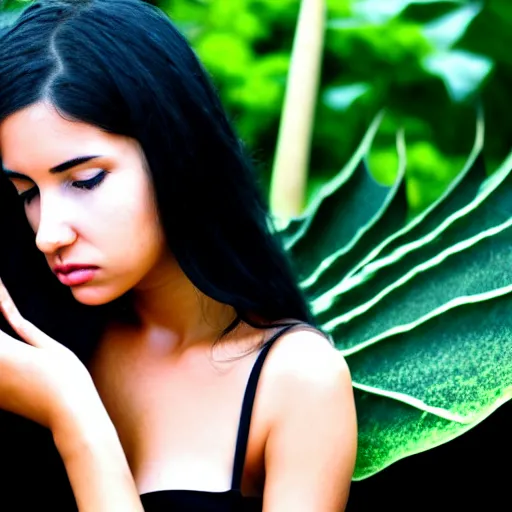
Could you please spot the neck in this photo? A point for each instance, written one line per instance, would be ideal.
(167, 302)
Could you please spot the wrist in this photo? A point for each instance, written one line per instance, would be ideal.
(96, 464)
(89, 428)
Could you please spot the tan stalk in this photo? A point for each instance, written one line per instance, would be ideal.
(289, 175)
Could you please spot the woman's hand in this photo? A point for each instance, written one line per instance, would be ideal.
(45, 382)
(41, 379)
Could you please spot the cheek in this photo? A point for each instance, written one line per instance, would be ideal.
(131, 221)
(147, 232)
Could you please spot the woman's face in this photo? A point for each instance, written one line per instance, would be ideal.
(88, 199)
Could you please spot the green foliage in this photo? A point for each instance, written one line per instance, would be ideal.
(245, 45)
(426, 62)
(420, 307)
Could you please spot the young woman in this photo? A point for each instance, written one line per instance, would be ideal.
(134, 237)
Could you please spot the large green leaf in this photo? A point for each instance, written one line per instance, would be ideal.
(390, 430)
(337, 215)
(461, 191)
(472, 267)
(388, 219)
(421, 310)
(455, 363)
(490, 208)
(380, 243)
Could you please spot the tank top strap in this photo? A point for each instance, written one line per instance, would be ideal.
(247, 406)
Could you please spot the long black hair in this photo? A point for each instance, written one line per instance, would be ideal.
(122, 66)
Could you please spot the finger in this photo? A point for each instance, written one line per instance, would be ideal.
(25, 329)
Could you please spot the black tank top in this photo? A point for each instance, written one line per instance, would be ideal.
(227, 501)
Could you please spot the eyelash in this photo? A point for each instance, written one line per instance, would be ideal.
(90, 184)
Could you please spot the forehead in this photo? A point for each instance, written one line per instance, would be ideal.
(38, 137)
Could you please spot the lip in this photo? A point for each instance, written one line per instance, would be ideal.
(77, 277)
(71, 267)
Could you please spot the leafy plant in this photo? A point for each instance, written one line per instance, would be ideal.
(419, 308)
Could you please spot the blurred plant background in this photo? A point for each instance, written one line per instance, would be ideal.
(428, 63)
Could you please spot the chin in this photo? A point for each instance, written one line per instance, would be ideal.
(94, 296)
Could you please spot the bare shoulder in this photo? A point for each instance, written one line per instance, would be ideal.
(313, 427)
(305, 374)
(305, 358)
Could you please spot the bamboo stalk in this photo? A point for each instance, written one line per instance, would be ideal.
(289, 175)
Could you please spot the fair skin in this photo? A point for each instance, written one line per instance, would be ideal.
(133, 421)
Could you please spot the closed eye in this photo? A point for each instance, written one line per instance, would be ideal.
(28, 195)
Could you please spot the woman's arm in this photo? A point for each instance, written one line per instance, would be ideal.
(95, 462)
(311, 449)
(45, 382)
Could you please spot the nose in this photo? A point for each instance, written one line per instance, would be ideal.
(53, 231)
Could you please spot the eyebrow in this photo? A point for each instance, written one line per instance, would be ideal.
(63, 167)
